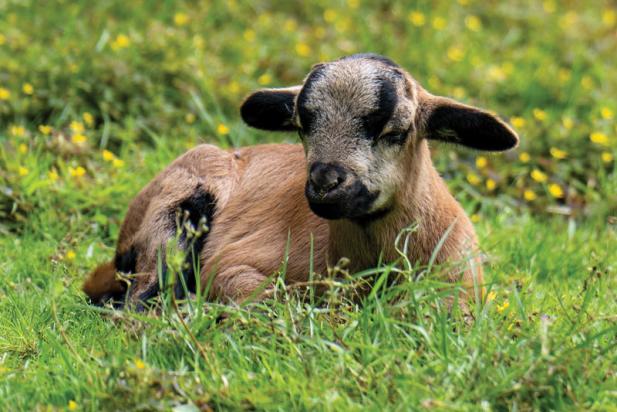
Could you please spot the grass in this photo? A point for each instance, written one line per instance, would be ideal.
(546, 341)
(96, 98)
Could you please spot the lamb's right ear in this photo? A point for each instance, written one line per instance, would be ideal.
(271, 109)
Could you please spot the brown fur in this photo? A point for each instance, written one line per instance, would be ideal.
(261, 210)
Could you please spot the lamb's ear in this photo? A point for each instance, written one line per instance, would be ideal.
(450, 121)
(270, 109)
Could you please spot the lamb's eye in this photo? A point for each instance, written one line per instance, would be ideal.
(394, 137)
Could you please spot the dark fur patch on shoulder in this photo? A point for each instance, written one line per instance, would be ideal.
(201, 206)
(126, 262)
(269, 110)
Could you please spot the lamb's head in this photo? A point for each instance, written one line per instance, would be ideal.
(359, 118)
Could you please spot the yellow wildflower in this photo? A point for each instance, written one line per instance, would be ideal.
(538, 176)
(22, 148)
(52, 175)
(529, 195)
(22, 171)
(417, 18)
(501, 308)
(353, 3)
(463, 2)
(329, 15)
(524, 157)
(264, 79)
(496, 73)
(78, 138)
(108, 156)
(567, 122)
(491, 296)
(2, 39)
(555, 190)
(77, 127)
(45, 129)
(481, 162)
(455, 54)
(491, 184)
(27, 88)
(88, 118)
(249, 35)
(567, 20)
(139, 364)
(17, 131)
(473, 178)
(303, 49)
(539, 114)
(120, 42)
(518, 122)
(222, 129)
(70, 255)
(72, 406)
(599, 138)
(606, 113)
(458, 92)
(607, 157)
(77, 171)
(439, 23)
(290, 25)
(587, 82)
(473, 23)
(609, 17)
(5, 94)
(558, 154)
(117, 163)
(180, 19)
(189, 118)
(549, 6)
(475, 218)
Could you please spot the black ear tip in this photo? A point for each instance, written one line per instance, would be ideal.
(509, 138)
(249, 109)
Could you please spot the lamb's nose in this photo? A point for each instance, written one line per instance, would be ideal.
(325, 177)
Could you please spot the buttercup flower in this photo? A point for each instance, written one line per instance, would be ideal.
(473, 23)
(530, 195)
(558, 154)
(555, 190)
(45, 129)
(417, 18)
(5, 94)
(27, 88)
(599, 138)
(222, 129)
(538, 176)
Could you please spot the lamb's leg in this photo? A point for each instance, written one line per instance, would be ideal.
(238, 283)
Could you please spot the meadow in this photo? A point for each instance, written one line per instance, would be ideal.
(97, 97)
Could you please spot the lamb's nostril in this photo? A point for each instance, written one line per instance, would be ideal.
(326, 177)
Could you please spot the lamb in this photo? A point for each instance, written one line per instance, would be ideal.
(362, 174)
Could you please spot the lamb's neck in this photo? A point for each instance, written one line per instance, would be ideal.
(364, 242)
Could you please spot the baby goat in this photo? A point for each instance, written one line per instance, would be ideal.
(362, 174)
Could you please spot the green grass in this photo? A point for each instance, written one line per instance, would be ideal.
(546, 341)
(147, 80)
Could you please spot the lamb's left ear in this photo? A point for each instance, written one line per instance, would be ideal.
(450, 121)
(271, 109)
